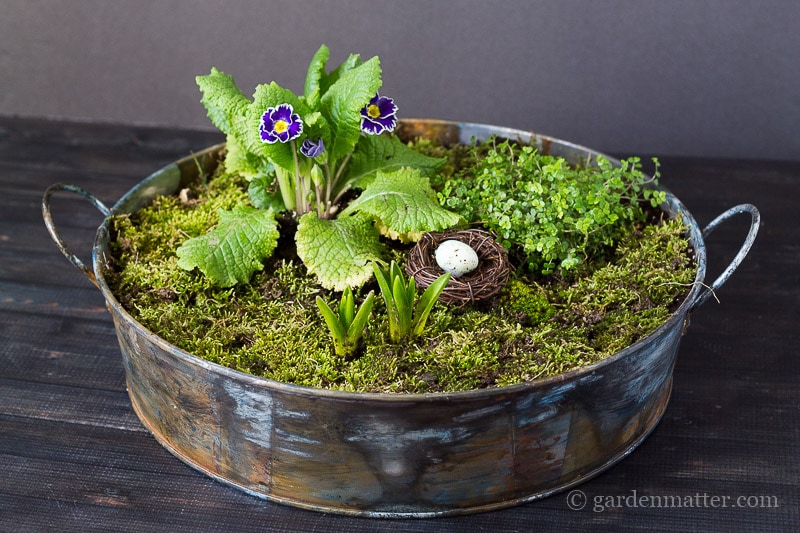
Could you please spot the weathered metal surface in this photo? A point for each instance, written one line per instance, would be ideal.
(400, 455)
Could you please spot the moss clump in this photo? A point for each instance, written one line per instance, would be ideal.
(529, 301)
(632, 295)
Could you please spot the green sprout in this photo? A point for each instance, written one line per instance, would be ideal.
(347, 326)
(406, 320)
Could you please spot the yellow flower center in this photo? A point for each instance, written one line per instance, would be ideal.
(281, 126)
(373, 111)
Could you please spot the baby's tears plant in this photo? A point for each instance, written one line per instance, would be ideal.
(552, 214)
(303, 155)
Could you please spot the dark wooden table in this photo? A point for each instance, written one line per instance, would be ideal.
(74, 457)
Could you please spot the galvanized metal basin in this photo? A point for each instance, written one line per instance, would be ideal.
(385, 455)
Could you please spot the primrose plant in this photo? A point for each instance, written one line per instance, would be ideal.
(326, 158)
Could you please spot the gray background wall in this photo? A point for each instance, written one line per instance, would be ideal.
(709, 78)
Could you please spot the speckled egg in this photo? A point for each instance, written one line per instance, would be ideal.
(456, 257)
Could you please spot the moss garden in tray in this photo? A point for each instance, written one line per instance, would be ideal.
(299, 259)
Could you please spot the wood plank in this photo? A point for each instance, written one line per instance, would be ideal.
(99, 496)
(61, 350)
(93, 445)
(43, 299)
(99, 148)
(63, 403)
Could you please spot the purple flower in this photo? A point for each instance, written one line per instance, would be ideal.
(312, 149)
(378, 115)
(280, 124)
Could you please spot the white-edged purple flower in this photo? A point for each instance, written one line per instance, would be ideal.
(379, 115)
(312, 149)
(280, 124)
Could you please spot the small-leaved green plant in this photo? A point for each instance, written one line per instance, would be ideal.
(552, 214)
(407, 316)
(308, 155)
(347, 324)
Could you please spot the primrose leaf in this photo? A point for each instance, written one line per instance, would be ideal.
(317, 81)
(232, 251)
(383, 152)
(339, 251)
(263, 195)
(316, 127)
(350, 63)
(403, 203)
(341, 104)
(239, 161)
(315, 75)
(223, 100)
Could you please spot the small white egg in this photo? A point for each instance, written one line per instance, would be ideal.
(456, 257)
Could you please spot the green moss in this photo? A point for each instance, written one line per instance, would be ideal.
(272, 328)
(529, 301)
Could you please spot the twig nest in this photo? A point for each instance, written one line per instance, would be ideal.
(476, 277)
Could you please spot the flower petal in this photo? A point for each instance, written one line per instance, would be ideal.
(282, 112)
(312, 149)
(379, 115)
(295, 127)
(280, 124)
(386, 105)
(371, 127)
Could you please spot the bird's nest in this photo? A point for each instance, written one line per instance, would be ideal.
(485, 281)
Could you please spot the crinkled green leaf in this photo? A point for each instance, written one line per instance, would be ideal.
(318, 81)
(231, 252)
(339, 251)
(341, 105)
(315, 75)
(315, 126)
(352, 61)
(383, 152)
(240, 161)
(223, 100)
(404, 203)
(264, 195)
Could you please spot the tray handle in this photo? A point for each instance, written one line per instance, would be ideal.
(51, 227)
(755, 222)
